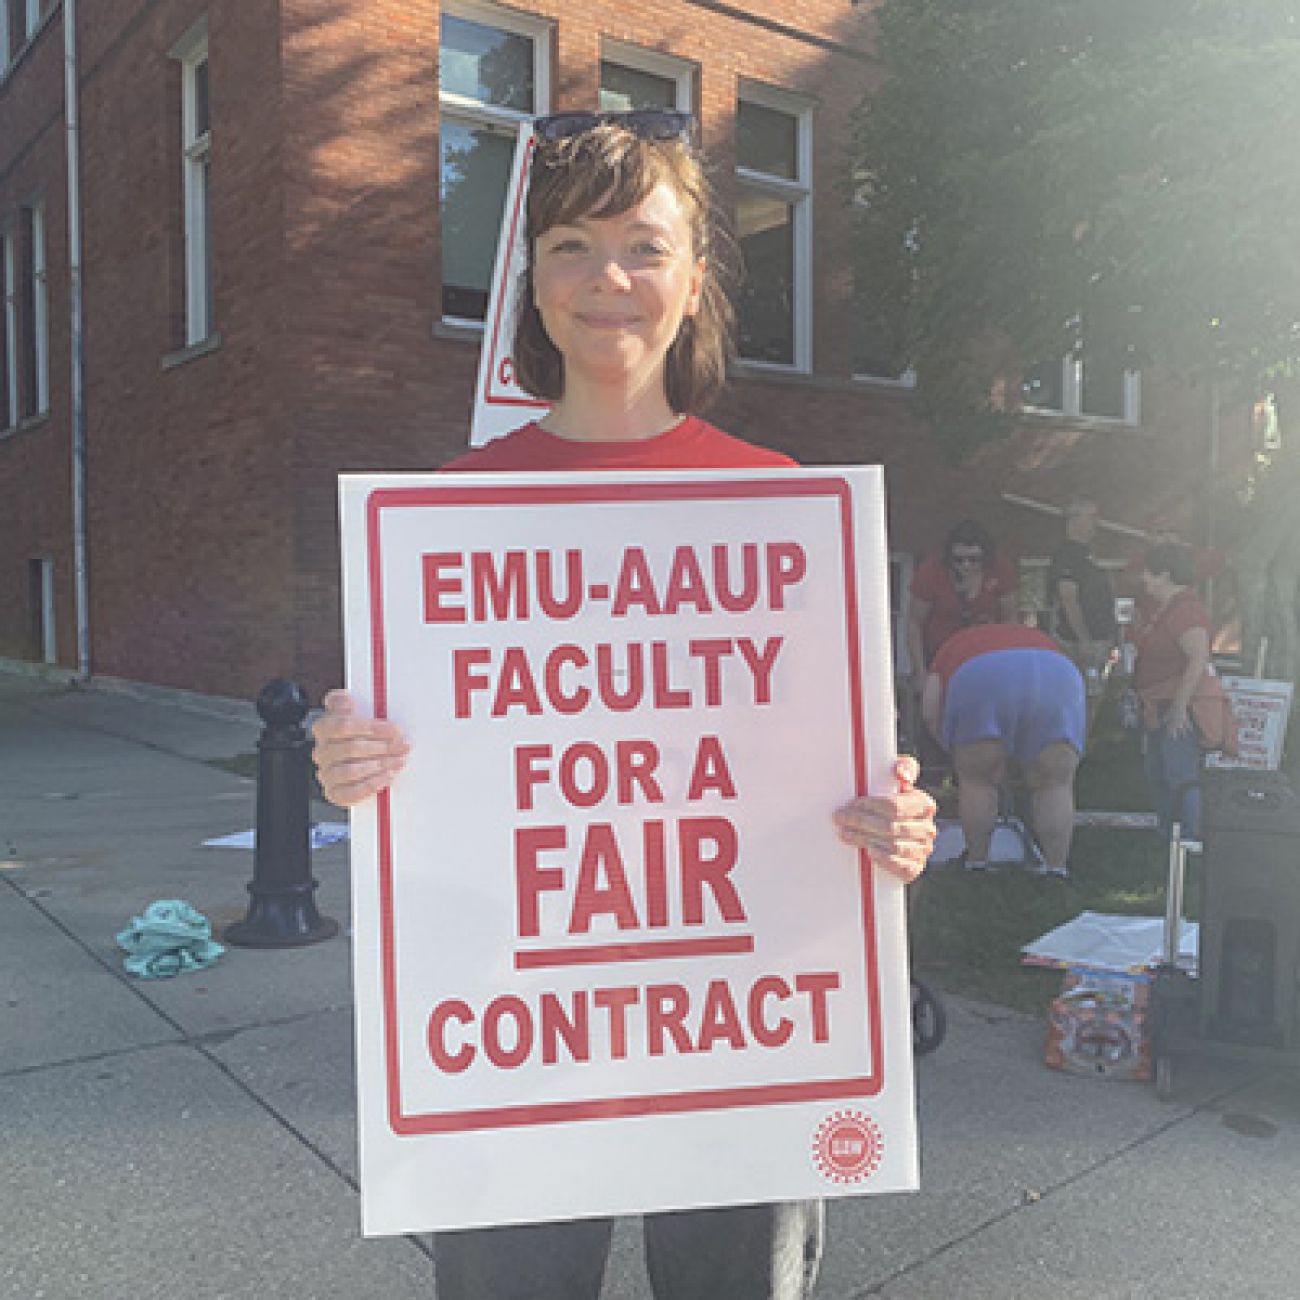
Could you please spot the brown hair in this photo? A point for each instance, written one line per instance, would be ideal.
(602, 173)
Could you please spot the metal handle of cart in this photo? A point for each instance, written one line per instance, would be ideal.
(1179, 848)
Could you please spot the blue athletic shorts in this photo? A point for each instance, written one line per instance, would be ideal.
(1026, 698)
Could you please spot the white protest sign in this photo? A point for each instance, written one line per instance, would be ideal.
(1261, 708)
(500, 405)
(610, 955)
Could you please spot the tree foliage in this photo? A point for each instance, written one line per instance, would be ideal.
(1116, 178)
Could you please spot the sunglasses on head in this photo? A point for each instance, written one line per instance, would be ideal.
(647, 123)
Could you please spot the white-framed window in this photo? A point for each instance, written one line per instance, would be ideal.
(9, 275)
(1092, 389)
(39, 307)
(196, 151)
(493, 69)
(774, 227)
(631, 77)
(44, 640)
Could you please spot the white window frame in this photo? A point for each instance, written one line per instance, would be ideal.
(40, 309)
(798, 194)
(7, 251)
(196, 150)
(678, 71)
(1072, 397)
(492, 117)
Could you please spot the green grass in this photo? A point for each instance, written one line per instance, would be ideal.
(968, 928)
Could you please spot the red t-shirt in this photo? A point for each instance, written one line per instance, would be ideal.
(950, 612)
(692, 444)
(971, 642)
(1159, 656)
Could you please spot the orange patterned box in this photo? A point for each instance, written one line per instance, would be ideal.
(1098, 1025)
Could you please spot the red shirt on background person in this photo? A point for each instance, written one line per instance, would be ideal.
(969, 582)
(971, 642)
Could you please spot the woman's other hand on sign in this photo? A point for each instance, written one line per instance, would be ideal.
(355, 756)
(896, 829)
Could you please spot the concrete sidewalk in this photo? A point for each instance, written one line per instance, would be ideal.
(196, 1136)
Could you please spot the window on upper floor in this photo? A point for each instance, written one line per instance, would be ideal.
(19, 20)
(34, 329)
(492, 75)
(9, 326)
(773, 227)
(1093, 388)
(631, 77)
(196, 157)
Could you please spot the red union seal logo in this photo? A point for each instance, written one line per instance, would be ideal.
(847, 1147)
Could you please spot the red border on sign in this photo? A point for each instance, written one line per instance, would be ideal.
(461, 494)
(493, 343)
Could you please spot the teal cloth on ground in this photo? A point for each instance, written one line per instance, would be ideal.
(168, 938)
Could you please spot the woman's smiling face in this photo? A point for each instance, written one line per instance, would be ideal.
(612, 291)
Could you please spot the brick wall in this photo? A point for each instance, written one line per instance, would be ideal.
(213, 553)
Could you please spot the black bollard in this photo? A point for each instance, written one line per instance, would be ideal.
(282, 913)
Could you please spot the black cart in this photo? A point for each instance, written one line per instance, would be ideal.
(1242, 998)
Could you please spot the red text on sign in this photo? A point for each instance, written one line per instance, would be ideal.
(516, 585)
(612, 1023)
(704, 851)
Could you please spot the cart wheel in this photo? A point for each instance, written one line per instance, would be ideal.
(1164, 1077)
(929, 1019)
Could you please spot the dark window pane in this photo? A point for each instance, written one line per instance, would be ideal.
(200, 98)
(767, 140)
(204, 179)
(1043, 386)
(766, 307)
(8, 398)
(1103, 388)
(623, 88)
(27, 386)
(475, 175)
(485, 63)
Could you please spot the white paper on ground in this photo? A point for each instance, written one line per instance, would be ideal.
(1106, 942)
(322, 833)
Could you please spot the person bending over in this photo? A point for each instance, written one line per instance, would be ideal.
(1002, 692)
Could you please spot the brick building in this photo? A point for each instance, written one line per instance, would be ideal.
(286, 213)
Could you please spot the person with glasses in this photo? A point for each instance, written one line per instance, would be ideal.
(625, 328)
(968, 582)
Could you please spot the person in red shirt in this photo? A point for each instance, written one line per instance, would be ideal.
(624, 329)
(1000, 692)
(1184, 709)
(969, 582)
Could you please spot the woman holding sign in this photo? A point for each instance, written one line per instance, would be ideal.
(625, 328)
